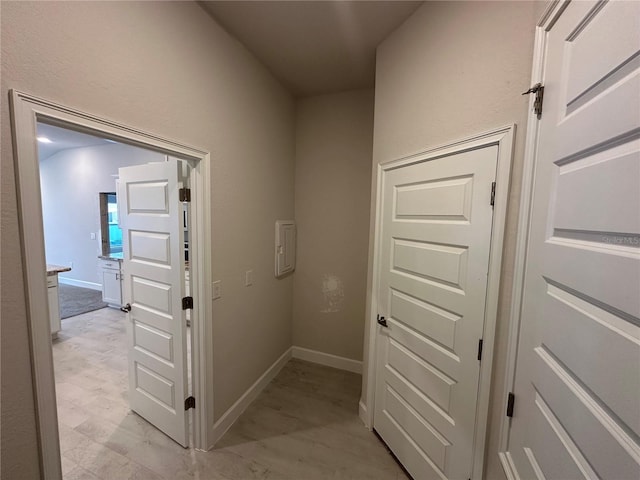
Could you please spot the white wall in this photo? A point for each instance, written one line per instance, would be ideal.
(452, 70)
(167, 68)
(70, 182)
(334, 139)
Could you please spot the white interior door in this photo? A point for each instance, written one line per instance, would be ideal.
(577, 388)
(153, 270)
(435, 243)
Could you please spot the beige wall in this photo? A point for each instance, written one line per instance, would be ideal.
(334, 138)
(166, 68)
(452, 70)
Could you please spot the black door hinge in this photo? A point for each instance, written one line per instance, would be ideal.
(185, 194)
(187, 303)
(190, 402)
(480, 349)
(493, 193)
(511, 400)
(538, 89)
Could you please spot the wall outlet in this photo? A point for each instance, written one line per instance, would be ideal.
(217, 289)
(248, 278)
(93, 235)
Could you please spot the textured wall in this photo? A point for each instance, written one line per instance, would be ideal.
(70, 182)
(167, 68)
(334, 138)
(452, 70)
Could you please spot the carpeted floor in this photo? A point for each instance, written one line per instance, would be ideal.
(77, 300)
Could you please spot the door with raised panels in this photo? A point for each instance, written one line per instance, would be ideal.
(435, 243)
(153, 270)
(577, 387)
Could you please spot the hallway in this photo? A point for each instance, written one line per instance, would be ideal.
(303, 426)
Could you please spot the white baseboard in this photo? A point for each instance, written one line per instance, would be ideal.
(364, 415)
(79, 283)
(231, 415)
(327, 359)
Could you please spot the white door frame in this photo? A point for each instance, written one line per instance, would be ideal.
(548, 19)
(26, 111)
(503, 139)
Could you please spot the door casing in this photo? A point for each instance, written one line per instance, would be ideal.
(503, 138)
(26, 111)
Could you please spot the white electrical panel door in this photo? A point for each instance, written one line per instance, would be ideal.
(285, 247)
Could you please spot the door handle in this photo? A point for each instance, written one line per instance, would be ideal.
(126, 308)
(382, 321)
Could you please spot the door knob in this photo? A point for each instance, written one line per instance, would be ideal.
(126, 308)
(382, 321)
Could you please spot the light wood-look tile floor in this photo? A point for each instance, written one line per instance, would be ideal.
(304, 425)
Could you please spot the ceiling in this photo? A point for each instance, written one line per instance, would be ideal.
(313, 47)
(63, 139)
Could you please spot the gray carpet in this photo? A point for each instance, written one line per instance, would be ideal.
(77, 300)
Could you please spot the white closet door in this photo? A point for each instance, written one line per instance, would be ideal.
(577, 391)
(435, 242)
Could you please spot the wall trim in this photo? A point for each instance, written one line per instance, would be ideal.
(26, 110)
(548, 19)
(231, 415)
(503, 137)
(364, 414)
(79, 283)
(327, 359)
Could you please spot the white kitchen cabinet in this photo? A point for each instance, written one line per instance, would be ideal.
(54, 304)
(111, 277)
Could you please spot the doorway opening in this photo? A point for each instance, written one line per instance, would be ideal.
(84, 248)
(29, 115)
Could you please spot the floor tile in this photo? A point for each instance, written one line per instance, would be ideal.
(303, 426)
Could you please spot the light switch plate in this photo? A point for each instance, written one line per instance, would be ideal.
(217, 289)
(248, 278)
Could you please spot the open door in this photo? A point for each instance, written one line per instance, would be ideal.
(154, 266)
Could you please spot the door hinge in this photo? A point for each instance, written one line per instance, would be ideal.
(538, 89)
(190, 402)
(493, 194)
(511, 400)
(187, 303)
(185, 194)
(480, 349)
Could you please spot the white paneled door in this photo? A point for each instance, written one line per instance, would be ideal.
(577, 389)
(153, 269)
(435, 243)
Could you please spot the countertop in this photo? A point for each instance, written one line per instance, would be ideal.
(56, 269)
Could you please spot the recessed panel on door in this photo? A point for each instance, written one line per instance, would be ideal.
(153, 341)
(416, 314)
(151, 294)
(441, 263)
(155, 387)
(148, 197)
(441, 200)
(150, 247)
